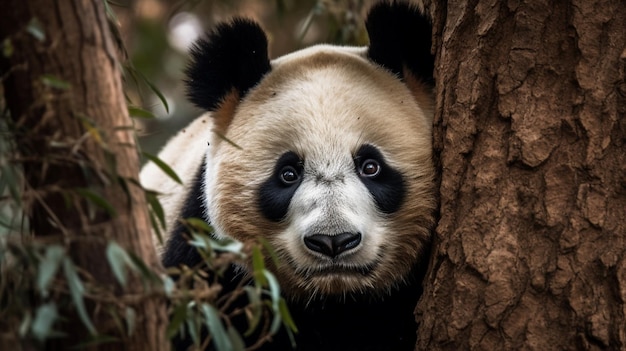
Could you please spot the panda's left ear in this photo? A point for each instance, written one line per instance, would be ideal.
(400, 40)
(225, 64)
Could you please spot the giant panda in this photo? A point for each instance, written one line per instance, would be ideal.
(326, 154)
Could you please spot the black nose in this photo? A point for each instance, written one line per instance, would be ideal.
(332, 245)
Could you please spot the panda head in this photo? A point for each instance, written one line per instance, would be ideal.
(325, 152)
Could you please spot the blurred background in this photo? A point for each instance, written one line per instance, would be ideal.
(157, 34)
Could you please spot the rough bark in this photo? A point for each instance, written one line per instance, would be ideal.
(66, 138)
(531, 136)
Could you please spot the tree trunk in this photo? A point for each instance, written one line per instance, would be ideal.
(63, 88)
(530, 131)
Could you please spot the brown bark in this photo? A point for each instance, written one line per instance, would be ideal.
(530, 130)
(61, 151)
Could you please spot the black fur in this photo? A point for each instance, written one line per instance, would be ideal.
(387, 188)
(232, 56)
(400, 36)
(274, 196)
(355, 323)
(177, 251)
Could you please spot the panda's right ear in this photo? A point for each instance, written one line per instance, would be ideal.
(225, 64)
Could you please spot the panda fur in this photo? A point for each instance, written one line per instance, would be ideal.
(332, 167)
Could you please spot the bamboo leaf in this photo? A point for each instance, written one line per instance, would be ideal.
(236, 341)
(10, 179)
(216, 328)
(270, 250)
(118, 260)
(35, 28)
(156, 207)
(194, 330)
(275, 297)
(48, 267)
(199, 225)
(138, 112)
(139, 265)
(131, 320)
(25, 324)
(286, 315)
(256, 308)
(55, 82)
(258, 266)
(227, 245)
(77, 291)
(97, 200)
(176, 321)
(223, 137)
(7, 48)
(158, 93)
(168, 285)
(163, 166)
(45, 317)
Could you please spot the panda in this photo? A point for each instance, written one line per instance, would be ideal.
(326, 154)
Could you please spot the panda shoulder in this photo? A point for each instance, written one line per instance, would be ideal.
(184, 153)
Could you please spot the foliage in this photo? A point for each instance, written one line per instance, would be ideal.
(42, 287)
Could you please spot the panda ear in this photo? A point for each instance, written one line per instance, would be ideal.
(226, 64)
(400, 40)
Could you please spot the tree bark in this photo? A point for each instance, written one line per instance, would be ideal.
(62, 84)
(530, 130)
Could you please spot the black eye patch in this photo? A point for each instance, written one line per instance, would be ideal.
(276, 192)
(387, 187)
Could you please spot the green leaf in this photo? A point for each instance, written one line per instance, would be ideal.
(199, 225)
(55, 82)
(9, 178)
(176, 321)
(138, 112)
(158, 93)
(48, 267)
(97, 200)
(25, 325)
(118, 260)
(163, 166)
(270, 250)
(236, 341)
(146, 273)
(258, 266)
(45, 317)
(7, 48)
(193, 328)
(227, 245)
(223, 137)
(216, 328)
(155, 225)
(286, 315)
(275, 296)
(77, 291)
(131, 320)
(200, 241)
(254, 298)
(168, 285)
(35, 28)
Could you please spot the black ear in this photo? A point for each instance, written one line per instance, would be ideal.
(232, 56)
(400, 37)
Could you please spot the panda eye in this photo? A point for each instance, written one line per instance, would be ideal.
(288, 175)
(369, 168)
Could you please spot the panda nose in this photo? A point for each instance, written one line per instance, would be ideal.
(332, 245)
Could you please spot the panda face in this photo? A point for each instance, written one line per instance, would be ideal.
(332, 165)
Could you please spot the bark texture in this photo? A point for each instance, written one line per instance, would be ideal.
(67, 137)
(531, 135)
